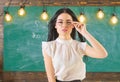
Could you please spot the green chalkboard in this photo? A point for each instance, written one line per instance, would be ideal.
(23, 37)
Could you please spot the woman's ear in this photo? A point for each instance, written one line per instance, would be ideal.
(55, 26)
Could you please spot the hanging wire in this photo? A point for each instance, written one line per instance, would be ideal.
(10, 1)
(114, 10)
(24, 2)
(81, 7)
(44, 6)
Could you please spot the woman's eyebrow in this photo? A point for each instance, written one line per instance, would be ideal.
(60, 19)
(68, 20)
(64, 20)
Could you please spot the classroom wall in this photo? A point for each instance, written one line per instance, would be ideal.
(41, 76)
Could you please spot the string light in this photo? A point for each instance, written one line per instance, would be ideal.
(114, 19)
(44, 15)
(21, 11)
(100, 14)
(8, 17)
(82, 18)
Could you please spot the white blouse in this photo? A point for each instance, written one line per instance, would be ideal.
(67, 58)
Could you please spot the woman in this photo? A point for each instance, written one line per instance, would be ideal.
(63, 53)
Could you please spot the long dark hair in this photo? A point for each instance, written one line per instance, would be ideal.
(52, 32)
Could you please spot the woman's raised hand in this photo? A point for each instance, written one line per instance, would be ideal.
(81, 28)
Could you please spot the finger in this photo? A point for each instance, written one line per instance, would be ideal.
(83, 25)
(79, 25)
(74, 23)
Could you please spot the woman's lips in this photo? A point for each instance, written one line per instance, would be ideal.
(64, 30)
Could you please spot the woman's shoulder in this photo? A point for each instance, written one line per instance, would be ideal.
(48, 43)
(48, 47)
(79, 44)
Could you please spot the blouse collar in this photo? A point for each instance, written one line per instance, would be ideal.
(64, 41)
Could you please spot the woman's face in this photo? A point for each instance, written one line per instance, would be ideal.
(64, 24)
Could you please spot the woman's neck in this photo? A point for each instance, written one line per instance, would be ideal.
(65, 37)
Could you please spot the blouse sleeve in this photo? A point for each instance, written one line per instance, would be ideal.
(46, 46)
(82, 45)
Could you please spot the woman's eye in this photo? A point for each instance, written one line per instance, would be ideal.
(68, 22)
(60, 22)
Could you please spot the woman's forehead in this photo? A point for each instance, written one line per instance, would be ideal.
(64, 16)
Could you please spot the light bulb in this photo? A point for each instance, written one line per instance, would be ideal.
(100, 14)
(8, 17)
(114, 19)
(21, 11)
(82, 18)
(44, 15)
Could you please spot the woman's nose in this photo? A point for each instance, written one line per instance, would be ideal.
(64, 24)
